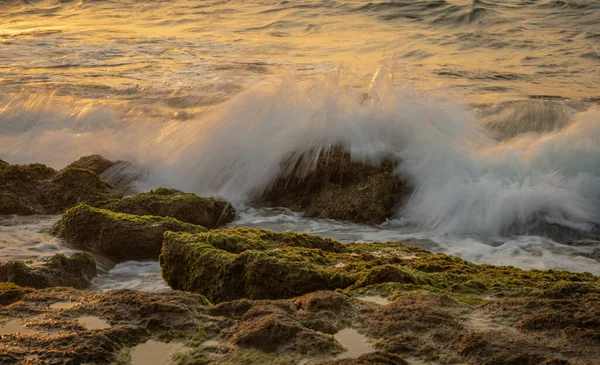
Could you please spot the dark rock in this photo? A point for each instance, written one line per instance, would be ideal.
(337, 187)
(59, 270)
(95, 163)
(191, 208)
(38, 189)
(10, 292)
(240, 262)
(118, 236)
(237, 262)
(375, 358)
(271, 329)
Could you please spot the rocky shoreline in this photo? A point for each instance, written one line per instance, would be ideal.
(245, 296)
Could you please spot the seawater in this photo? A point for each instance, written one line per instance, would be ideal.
(489, 108)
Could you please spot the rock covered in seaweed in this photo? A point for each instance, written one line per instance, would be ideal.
(118, 236)
(76, 271)
(121, 174)
(241, 262)
(335, 186)
(11, 292)
(190, 208)
(418, 324)
(95, 163)
(39, 189)
(246, 263)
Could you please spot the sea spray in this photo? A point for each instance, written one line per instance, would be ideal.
(465, 181)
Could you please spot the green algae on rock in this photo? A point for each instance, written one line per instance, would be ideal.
(241, 262)
(95, 163)
(11, 292)
(337, 187)
(248, 263)
(118, 236)
(76, 271)
(39, 189)
(419, 325)
(190, 208)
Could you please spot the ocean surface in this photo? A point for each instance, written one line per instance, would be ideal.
(490, 108)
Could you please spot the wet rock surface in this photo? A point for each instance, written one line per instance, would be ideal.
(418, 324)
(118, 236)
(240, 262)
(76, 271)
(95, 163)
(39, 189)
(190, 208)
(332, 185)
(257, 296)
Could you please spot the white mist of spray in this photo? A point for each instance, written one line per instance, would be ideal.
(465, 182)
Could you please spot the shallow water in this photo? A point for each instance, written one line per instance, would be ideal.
(13, 326)
(154, 352)
(489, 108)
(93, 323)
(355, 343)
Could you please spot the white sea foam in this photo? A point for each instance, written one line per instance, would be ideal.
(465, 182)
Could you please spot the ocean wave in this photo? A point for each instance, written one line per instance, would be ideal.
(466, 181)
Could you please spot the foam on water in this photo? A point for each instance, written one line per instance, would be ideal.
(465, 181)
(471, 190)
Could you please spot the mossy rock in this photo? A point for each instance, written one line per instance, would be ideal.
(118, 236)
(39, 189)
(73, 186)
(11, 292)
(3, 164)
(237, 263)
(59, 270)
(242, 262)
(337, 187)
(191, 208)
(95, 163)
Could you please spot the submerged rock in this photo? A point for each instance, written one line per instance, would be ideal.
(191, 208)
(58, 270)
(118, 236)
(39, 189)
(335, 186)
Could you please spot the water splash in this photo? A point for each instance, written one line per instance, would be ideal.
(465, 181)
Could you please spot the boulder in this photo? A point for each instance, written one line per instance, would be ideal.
(118, 236)
(121, 174)
(58, 270)
(95, 163)
(337, 187)
(190, 208)
(39, 189)
(246, 263)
